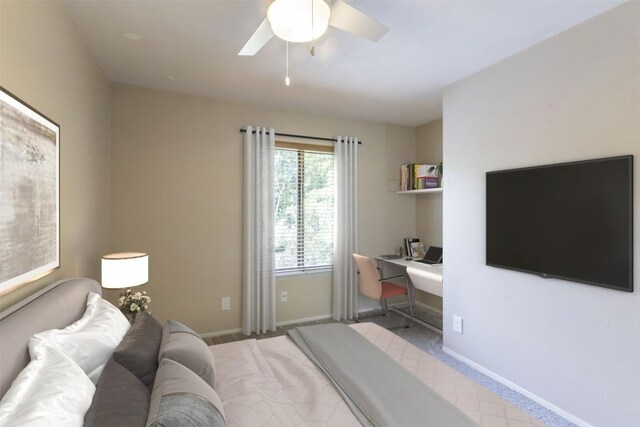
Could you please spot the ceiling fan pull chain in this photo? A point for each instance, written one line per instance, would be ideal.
(287, 81)
(313, 47)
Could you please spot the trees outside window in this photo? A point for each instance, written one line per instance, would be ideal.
(304, 209)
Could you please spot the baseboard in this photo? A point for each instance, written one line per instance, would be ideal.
(303, 320)
(218, 333)
(369, 310)
(314, 318)
(517, 388)
(428, 306)
(416, 303)
(282, 323)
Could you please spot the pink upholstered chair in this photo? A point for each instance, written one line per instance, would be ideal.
(372, 285)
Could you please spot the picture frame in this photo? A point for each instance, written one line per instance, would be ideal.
(417, 250)
(30, 190)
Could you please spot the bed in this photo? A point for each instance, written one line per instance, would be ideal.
(267, 382)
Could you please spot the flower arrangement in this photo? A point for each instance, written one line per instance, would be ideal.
(133, 303)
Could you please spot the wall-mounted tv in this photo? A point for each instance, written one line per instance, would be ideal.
(571, 221)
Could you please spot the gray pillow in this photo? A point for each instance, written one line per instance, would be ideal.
(182, 345)
(138, 350)
(120, 399)
(181, 398)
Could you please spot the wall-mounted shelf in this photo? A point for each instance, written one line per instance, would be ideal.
(423, 191)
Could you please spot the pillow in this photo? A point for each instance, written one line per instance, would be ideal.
(90, 341)
(121, 399)
(182, 345)
(50, 390)
(138, 351)
(181, 398)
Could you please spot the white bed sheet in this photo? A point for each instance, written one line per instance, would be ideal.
(271, 383)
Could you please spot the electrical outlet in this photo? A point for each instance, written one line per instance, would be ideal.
(225, 303)
(457, 324)
(284, 296)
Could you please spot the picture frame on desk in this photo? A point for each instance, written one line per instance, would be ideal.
(417, 250)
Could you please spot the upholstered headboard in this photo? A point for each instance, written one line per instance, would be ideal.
(55, 306)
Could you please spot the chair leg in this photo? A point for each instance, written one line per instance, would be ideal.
(384, 302)
(410, 309)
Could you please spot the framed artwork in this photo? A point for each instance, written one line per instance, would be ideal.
(29, 193)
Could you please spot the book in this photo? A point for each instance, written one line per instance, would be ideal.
(407, 244)
(429, 182)
(418, 176)
(404, 177)
(411, 176)
(425, 175)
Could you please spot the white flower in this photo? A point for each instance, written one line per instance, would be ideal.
(137, 295)
(133, 307)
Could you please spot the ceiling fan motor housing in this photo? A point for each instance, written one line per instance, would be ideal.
(299, 21)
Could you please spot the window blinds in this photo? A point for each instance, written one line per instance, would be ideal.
(304, 206)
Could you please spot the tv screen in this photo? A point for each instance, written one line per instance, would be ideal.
(571, 221)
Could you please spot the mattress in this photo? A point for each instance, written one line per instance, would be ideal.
(270, 382)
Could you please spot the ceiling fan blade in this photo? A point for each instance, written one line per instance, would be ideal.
(259, 38)
(351, 20)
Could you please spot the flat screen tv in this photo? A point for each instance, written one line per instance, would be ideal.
(571, 221)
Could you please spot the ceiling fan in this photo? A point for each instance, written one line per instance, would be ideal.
(301, 21)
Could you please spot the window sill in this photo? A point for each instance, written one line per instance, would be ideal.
(305, 273)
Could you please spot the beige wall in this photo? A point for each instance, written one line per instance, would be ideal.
(573, 97)
(429, 206)
(309, 297)
(44, 62)
(176, 192)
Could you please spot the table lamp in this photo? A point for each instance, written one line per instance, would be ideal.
(125, 270)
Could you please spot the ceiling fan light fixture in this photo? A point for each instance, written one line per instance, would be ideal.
(291, 20)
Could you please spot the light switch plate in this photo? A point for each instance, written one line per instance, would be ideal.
(225, 303)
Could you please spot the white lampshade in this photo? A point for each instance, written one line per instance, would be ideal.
(291, 19)
(125, 270)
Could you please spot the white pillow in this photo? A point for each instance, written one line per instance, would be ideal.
(90, 341)
(50, 391)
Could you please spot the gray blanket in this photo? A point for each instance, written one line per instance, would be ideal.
(376, 388)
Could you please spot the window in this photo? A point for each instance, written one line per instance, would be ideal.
(304, 206)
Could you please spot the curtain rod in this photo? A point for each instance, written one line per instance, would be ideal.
(317, 138)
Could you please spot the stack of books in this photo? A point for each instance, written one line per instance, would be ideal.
(416, 176)
(414, 247)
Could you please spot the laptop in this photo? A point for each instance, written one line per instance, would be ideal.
(433, 256)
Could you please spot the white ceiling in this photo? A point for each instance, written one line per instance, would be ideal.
(191, 47)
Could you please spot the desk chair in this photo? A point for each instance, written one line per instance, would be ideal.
(373, 285)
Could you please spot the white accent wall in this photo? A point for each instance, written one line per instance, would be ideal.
(575, 96)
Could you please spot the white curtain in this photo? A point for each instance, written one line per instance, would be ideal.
(345, 285)
(258, 254)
